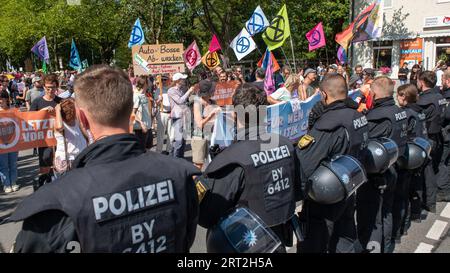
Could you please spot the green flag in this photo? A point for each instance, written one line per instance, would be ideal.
(278, 31)
(44, 67)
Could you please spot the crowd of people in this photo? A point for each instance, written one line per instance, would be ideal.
(132, 188)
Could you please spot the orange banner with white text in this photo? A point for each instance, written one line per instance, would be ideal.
(26, 130)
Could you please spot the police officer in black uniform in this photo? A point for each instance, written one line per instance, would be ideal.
(257, 171)
(117, 198)
(443, 194)
(433, 105)
(375, 198)
(336, 128)
(408, 189)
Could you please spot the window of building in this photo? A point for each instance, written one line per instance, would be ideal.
(382, 54)
(388, 4)
(443, 48)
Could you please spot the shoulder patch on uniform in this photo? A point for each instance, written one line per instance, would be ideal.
(201, 190)
(305, 141)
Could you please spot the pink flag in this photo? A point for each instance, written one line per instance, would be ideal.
(269, 83)
(192, 56)
(316, 37)
(214, 45)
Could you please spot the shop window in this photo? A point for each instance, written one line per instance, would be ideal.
(382, 54)
(443, 49)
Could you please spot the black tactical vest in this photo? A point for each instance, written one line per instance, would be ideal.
(416, 124)
(399, 122)
(434, 119)
(354, 123)
(135, 205)
(270, 178)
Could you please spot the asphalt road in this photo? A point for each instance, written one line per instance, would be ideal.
(430, 235)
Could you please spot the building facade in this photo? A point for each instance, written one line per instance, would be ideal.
(414, 31)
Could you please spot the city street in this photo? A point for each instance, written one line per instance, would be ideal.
(431, 235)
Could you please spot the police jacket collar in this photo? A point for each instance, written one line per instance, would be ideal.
(340, 104)
(426, 92)
(414, 107)
(389, 101)
(109, 149)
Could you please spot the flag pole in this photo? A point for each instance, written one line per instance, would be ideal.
(285, 57)
(293, 55)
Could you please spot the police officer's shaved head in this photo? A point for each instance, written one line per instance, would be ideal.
(106, 94)
(382, 87)
(335, 86)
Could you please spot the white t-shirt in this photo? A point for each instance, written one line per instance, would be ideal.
(282, 94)
(75, 143)
(439, 74)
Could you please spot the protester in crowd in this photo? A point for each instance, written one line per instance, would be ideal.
(8, 161)
(75, 213)
(415, 71)
(69, 137)
(285, 93)
(36, 92)
(359, 71)
(341, 71)
(306, 90)
(282, 76)
(178, 100)
(205, 111)
(366, 101)
(439, 70)
(403, 74)
(260, 75)
(46, 103)
(354, 83)
(238, 74)
(142, 122)
(332, 69)
(230, 75)
(164, 122)
(223, 77)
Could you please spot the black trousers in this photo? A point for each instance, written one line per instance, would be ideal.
(444, 171)
(374, 212)
(401, 204)
(431, 171)
(329, 228)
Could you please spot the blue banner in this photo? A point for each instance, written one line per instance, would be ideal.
(290, 119)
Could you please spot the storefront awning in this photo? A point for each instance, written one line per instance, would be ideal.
(433, 35)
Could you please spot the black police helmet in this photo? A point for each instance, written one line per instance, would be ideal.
(380, 155)
(335, 181)
(416, 153)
